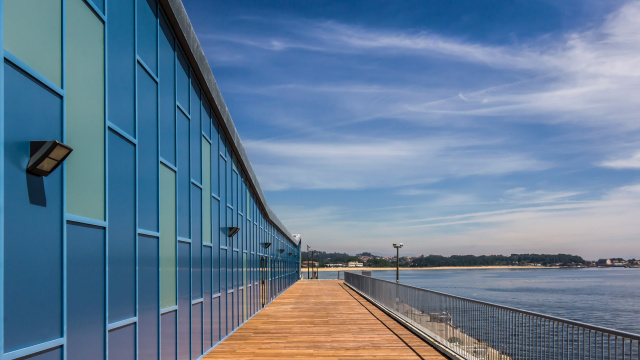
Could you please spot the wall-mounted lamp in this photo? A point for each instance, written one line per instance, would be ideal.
(281, 251)
(266, 245)
(46, 156)
(289, 254)
(233, 230)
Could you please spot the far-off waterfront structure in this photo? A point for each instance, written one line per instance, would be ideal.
(153, 238)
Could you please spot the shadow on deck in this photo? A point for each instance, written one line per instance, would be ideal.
(322, 320)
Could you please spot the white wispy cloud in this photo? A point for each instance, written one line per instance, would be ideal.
(632, 162)
(357, 163)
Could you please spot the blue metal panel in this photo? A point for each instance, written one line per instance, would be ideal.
(216, 246)
(122, 343)
(216, 331)
(196, 146)
(196, 242)
(148, 301)
(182, 80)
(223, 292)
(121, 64)
(85, 292)
(168, 341)
(122, 228)
(184, 300)
(32, 314)
(53, 354)
(196, 330)
(231, 308)
(167, 94)
(206, 307)
(222, 208)
(147, 152)
(183, 180)
(147, 33)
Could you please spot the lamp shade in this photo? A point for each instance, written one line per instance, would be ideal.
(233, 230)
(46, 156)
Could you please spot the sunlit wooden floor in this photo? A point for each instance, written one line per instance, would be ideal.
(322, 319)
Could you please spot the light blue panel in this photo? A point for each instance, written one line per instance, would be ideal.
(121, 64)
(85, 292)
(205, 117)
(147, 152)
(240, 313)
(167, 94)
(184, 300)
(122, 228)
(222, 206)
(196, 136)
(215, 330)
(168, 342)
(148, 306)
(122, 343)
(184, 181)
(196, 330)
(182, 80)
(53, 354)
(196, 242)
(33, 313)
(215, 159)
(216, 245)
(148, 34)
(206, 308)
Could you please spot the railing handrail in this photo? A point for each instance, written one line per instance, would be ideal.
(508, 308)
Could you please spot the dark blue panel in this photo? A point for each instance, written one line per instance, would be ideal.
(223, 292)
(205, 116)
(222, 208)
(215, 330)
(85, 292)
(167, 94)
(206, 308)
(33, 313)
(121, 64)
(196, 241)
(216, 250)
(148, 306)
(184, 300)
(147, 152)
(147, 33)
(53, 354)
(168, 342)
(122, 343)
(99, 4)
(240, 305)
(196, 135)
(182, 80)
(231, 307)
(183, 176)
(196, 330)
(122, 229)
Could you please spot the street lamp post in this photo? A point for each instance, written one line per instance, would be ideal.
(397, 246)
(308, 263)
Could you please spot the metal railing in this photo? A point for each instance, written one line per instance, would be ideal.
(480, 330)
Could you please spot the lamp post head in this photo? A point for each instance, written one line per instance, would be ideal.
(398, 246)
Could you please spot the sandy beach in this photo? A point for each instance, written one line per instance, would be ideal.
(436, 268)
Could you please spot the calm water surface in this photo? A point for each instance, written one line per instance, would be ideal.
(604, 297)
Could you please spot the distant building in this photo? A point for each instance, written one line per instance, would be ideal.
(355, 264)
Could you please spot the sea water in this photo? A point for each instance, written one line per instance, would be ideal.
(606, 297)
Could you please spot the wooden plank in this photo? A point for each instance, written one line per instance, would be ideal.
(322, 320)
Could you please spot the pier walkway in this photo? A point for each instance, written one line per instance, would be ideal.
(322, 319)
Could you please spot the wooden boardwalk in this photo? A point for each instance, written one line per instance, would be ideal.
(322, 320)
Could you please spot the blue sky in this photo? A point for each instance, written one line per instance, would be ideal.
(466, 127)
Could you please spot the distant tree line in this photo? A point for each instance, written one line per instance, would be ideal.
(496, 260)
(325, 258)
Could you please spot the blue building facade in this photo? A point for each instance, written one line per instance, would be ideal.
(126, 250)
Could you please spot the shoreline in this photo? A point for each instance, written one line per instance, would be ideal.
(434, 268)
